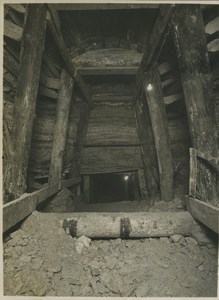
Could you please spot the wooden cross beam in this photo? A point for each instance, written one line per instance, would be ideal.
(104, 6)
(54, 26)
(154, 43)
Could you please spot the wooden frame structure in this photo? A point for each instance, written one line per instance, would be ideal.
(202, 209)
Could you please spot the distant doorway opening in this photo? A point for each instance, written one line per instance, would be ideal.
(113, 187)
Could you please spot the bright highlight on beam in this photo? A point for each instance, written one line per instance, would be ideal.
(126, 177)
(150, 87)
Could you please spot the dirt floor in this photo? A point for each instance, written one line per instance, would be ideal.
(40, 259)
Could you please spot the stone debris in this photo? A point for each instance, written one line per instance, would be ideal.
(82, 242)
(55, 264)
(175, 238)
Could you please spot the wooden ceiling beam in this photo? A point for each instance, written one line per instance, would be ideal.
(54, 26)
(108, 70)
(104, 6)
(154, 44)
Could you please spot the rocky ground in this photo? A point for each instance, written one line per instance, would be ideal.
(40, 259)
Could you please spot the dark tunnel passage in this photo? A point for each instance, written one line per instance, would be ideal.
(113, 187)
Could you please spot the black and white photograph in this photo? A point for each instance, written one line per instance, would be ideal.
(110, 148)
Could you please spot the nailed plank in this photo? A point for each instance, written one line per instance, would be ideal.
(12, 31)
(64, 54)
(60, 128)
(154, 97)
(26, 94)
(204, 212)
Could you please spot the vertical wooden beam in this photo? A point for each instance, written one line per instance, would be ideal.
(61, 126)
(32, 45)
(154, 96)
(191, 47)
(147, 148)
(193, 172)
(79, 143)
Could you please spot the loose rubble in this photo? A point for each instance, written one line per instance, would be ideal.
(40, 259)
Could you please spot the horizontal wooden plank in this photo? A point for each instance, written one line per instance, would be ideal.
(165, 68)
(70, 182)
(212, 26)
(18, 7)
(16, 210)
(47, 192)
(100, 6)
(212, 161)
(113, 144)
(48, 92)
(12, 31)
(120, 171)
(108, 71)
(111, 98)
(49, 82)
(173, 98)
(204, 212)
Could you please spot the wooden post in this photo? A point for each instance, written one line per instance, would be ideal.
(32, 45)
(191, 47)
(158, 116)
(147, 148)
(61, 126)
(79, 143)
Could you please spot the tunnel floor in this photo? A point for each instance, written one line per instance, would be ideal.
(41, 260)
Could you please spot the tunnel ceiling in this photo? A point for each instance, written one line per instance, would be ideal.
(133, 25)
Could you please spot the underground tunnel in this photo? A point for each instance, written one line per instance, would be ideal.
(110, 149)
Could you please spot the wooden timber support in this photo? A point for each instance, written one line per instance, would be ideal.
(206, 213)
(191, 46)
(148, 155)
(32, 45)
(154, 44)
(154, 96)
(61, 126)
(54, 26)
(15, 211)
(79, 143)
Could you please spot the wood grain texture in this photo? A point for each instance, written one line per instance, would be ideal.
(32, 46)
(61, 126)
(158, 117)
(204, 212)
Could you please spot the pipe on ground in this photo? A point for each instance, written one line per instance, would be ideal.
(128, 225)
